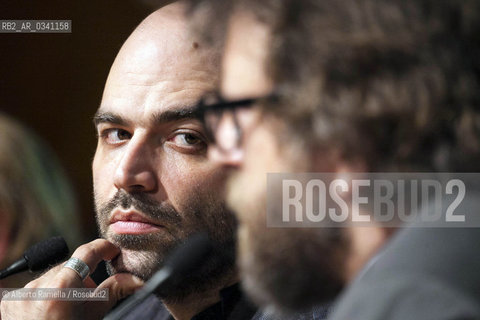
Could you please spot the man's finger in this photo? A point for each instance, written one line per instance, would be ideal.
(91, 253)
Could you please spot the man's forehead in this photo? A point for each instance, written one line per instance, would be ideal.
(163, 58)
(146, 98)
(141, 99)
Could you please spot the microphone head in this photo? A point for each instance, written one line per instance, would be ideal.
(46, 253)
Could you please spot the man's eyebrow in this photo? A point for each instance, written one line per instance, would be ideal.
(177, 114)
(157, 118)
(109, 117)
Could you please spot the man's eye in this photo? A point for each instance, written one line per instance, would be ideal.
(188, 142)
(114, 136)
(186, 139)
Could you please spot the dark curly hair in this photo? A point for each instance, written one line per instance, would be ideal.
(393, 83)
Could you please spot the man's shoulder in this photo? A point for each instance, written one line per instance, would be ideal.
(420, 274)
(406, 296)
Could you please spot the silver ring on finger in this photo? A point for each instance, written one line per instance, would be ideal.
(77, 265)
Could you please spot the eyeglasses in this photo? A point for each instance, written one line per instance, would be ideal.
(225, 121)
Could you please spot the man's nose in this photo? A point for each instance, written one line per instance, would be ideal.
(135, 172)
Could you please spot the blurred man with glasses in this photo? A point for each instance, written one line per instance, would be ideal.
(337, 86)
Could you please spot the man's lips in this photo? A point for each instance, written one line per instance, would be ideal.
(132, 222)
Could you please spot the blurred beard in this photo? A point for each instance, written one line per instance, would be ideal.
(143, 255)
(290, 270)
(286, 270)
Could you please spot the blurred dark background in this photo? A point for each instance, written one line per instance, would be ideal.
(53, 83)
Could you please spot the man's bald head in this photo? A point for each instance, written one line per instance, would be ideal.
(151, 161)
(163, 44)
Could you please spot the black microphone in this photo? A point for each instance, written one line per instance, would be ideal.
(183, 260)
(39, 257)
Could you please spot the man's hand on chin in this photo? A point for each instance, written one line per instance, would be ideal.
(119, 285)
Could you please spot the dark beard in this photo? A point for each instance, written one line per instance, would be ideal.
(291, 270)
(143, 255)
(216, 269)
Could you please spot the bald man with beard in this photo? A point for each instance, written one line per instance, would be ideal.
(154, 185)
